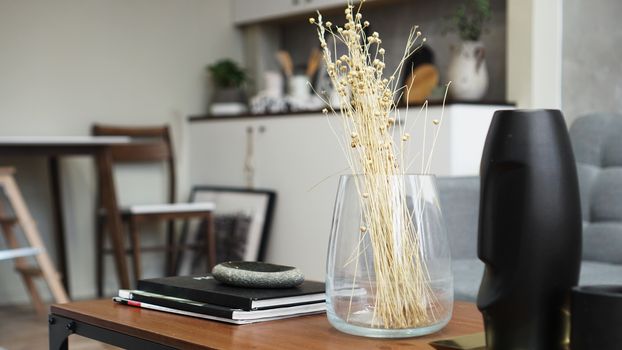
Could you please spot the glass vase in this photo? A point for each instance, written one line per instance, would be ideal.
(389, 263)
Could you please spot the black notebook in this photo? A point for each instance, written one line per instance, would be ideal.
(207, 290)
(220, 312)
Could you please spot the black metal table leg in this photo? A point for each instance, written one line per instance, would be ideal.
(62, 327)
(59, 332)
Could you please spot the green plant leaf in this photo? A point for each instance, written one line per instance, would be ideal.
(469, 18)
(226, 73)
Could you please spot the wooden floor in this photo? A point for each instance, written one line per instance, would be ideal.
(22, 329)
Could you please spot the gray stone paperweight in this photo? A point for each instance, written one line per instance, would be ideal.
(255, 274)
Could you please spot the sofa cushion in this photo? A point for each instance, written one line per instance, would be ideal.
(588, 176)
(595, 139)
(605, 200)
(468, 276)
(597, 147)
(602, 242)
(459, 197)
(600, 273)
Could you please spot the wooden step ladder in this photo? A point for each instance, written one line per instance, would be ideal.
(36, 248)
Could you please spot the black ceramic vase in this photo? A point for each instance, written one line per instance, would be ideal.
(529, 230)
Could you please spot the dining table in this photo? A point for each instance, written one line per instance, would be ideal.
(53, 148)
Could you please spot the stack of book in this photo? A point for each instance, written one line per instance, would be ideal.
(204, 297)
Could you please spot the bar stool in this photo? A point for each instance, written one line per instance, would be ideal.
(21, 217)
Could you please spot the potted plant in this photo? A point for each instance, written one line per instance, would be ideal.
(229, 79)
(467, 69)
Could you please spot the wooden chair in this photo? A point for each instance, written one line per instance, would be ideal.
(151, 145)
(21, 216)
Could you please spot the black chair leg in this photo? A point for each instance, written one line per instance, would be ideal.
(135, 249)
(210, 241)
(171, 252)
(99, 256)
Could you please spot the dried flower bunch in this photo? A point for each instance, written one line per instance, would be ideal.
(367, 97)
(374, 145)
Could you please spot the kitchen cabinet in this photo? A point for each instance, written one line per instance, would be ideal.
(252, 11)
(293, 155)
(300, 158)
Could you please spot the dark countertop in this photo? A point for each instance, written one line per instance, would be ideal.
(208, 118)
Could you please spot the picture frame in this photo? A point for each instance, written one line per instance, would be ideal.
(242, 222)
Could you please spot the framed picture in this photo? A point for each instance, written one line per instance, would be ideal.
(242, 220)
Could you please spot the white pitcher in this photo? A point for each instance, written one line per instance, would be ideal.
(468, 72)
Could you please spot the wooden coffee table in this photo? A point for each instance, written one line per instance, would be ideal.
(135, 328)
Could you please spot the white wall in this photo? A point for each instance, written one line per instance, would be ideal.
(65, 64)
(534, 36)
(591, 57)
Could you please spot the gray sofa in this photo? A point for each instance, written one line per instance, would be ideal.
(597, 144)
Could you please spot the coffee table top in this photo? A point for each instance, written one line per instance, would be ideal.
(306, 332)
